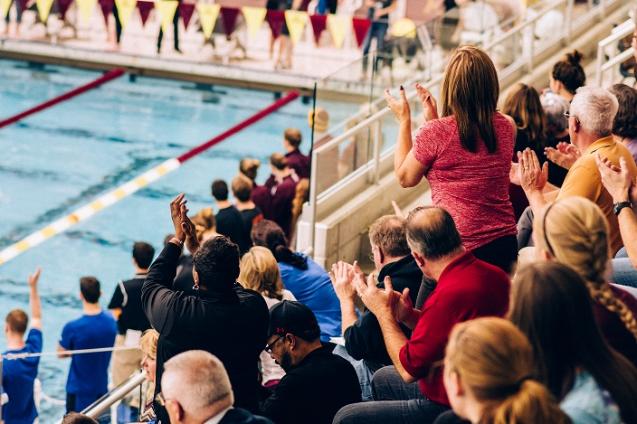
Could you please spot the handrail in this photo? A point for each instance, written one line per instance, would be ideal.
(602, 65)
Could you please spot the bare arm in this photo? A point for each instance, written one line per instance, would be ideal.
(394, 339)
(62, 352)
(34, 300)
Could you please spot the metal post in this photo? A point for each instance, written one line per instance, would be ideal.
(378, 134)
(598, 65)
(569, 20)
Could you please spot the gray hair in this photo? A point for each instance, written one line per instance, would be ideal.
(595, 108)
(197, 380)
(554, 107)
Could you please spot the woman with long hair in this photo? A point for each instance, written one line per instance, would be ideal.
(551, 305)
(260, 272)
(307, 281)
(489, 376)
(573, 231)
(465, 154)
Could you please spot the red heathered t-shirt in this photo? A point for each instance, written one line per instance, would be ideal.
(472, 187)
(468, 288)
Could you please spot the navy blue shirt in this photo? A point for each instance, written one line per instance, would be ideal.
(88, 374)
(17, 381)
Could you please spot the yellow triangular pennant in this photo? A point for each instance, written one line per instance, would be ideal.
(254, 17)
(44, 7)
(208, 14)
(125, 9)
(295, 20)
(4, 7)
(166, 10)
(337, 25)
(85, 8)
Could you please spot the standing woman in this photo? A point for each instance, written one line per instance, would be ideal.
(378, 12)
(465, 155)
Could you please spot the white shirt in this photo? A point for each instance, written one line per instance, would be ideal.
(217, 418)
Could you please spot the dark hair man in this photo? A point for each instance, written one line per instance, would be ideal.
(126, 306)
(282, 189)
(295, 159)
(88, 374)
(221, 318)
(228, 218)
(18, 375)
(317, 383)
(466, 288)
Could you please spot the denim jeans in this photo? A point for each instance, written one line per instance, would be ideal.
(624, 273)
(378, 30)
(126, 413)
(394, 402)
(525, 229)
(363, 371)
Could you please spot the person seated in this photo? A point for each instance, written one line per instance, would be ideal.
(567, 76)
(556, 133)
(19, 374)
(229, 221)
(364, 345)
(317, 383)
(222, 317)
(592, 381)
(242, 191)
(260, 272)
(307, 281)
(489, 375)
(196, 389)
(590, 123)
(467, 288)
(625, 123)
(574, 232)
(148, 346)
(282, 189)
(296, 160)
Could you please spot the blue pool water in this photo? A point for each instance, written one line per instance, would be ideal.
(60, 159)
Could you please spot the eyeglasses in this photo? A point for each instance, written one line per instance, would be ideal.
(567, 114)
(268, 348)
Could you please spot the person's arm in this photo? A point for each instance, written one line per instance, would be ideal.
(65, 343)
(532, 178)
(341, 275)
(117, 301)
(34, 300)
(395, 340)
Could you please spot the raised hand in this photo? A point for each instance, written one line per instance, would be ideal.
(342, 276)
(379, 301)
(565, 155)
(616, 179)
(34, 278)
(400, 106)
(176, 214)
(532, 176)
(429, 106)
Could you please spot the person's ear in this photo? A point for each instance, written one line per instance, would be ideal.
(174, 409)
(381, 255)
(292, 339)
(457, 383)
(420, 261)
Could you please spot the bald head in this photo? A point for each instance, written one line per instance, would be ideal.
(198, 381)
(431, 233)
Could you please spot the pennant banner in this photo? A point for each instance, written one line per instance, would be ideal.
(186, 10)
(63, 7)
(107, 8)
(85, 9)
(229, 17)
(208, 14)
(44, 7)
(319, 23)
(144, 8)
(22, 4)
(125, 9)
(166, 10)
(337, 24)
(295, 20)
(4, 7)
(254, 17)
(361, 28)
(276, 19)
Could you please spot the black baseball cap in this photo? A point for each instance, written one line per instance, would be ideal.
(295, 318)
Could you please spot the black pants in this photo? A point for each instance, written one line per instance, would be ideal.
(118, 24)
(175, 32)
(501, 252)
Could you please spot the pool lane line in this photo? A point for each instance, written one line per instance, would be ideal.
(108, 76)
(130, 187)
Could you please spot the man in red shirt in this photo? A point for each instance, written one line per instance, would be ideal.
(412, 391)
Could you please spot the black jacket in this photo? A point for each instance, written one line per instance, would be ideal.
(364, 339)
(241, 416)
(313, 391)
(231, 324)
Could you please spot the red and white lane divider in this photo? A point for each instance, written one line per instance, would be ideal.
(130, 187)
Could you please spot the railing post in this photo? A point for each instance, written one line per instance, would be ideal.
(598, 65)
(568, 19)
(313, 200)
(378, 134)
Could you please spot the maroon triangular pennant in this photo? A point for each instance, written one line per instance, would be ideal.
(361, 28)
(276, 19)
(63, 7)
(319, 23)
(185, 11)
(107, 8)
(22, 4)
(229, 19)
(144, 8)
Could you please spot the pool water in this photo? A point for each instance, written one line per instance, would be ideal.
(63, 157)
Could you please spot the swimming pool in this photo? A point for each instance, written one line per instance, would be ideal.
(63, 157)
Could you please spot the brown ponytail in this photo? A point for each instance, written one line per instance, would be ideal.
(569, 72)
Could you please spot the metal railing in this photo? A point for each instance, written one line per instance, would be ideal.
(609, 56)
(370, 172)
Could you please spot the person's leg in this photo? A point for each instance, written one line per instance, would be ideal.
(415, 411)
(387, 384)
(363, 372)
(159, 39)
(622, 253)
(118, 25)
(450, 417)
(525, 229)
(381, 55)
(70, 402)
(501, 252)
(367, 43)
(176, 30)
(624, 273)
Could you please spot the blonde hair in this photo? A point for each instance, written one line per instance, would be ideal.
(494, 359)
(148, 343)
(260, 272)
(470, 93)
(575, 232)
(205, 223)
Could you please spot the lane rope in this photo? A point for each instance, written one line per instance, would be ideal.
(108, 76)
(130, 187)
(14, 356)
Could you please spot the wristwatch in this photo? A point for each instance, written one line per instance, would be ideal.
(617, 207)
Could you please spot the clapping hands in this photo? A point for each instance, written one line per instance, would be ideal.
(564, 155)
(184, 228)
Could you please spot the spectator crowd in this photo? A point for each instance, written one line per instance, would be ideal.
(511, 299)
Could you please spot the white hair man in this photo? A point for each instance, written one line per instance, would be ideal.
(590, 122)
(196, 390)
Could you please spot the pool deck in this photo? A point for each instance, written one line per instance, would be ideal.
(222, 64)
